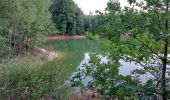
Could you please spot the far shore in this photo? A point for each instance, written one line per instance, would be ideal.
(65, 37)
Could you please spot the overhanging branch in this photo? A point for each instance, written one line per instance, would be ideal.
(145, 68)
(148, 48)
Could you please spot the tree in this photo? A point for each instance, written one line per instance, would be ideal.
(22, 22)
(79, 21)
(67, 16)
(90, 23)
(138, 34)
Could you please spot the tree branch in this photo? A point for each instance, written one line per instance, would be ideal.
(148, 48)
(145, 68)
(148, 70)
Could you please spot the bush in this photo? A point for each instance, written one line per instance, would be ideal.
(4, 49)
(29, 80)
(90, 36)
(52, 30)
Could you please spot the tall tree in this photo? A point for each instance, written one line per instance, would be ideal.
(138, 34)
(64, 15)
(79, 21)
(91, 23)
(146, 27)
(22, 22)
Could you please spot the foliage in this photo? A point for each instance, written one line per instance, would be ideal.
(67, 16)
(4, 50)
(51, 30)
(91, 36)
(91, 23)
(26, 79)
(139, 34)
(22, 21)
(79, 21)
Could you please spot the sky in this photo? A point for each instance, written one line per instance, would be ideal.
(93, 5)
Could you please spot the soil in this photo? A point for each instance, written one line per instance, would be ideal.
(44, 54)
(65, 37)
(87, 95)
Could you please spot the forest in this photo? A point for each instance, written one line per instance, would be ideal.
(23, 21)
(51, 50)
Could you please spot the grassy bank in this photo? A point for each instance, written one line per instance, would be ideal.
(24, 78)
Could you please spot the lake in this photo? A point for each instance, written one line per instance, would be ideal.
(75, 53)
(72, 51)
(124, 69)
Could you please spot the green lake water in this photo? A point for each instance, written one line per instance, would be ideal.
(72, 51)
(72, 54)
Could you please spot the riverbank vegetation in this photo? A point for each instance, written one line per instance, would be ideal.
(29, 77)
(136, 34)
(22, 26)
(24, 78)
(23, 22)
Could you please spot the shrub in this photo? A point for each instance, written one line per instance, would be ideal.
(91, 36)
(29, 80)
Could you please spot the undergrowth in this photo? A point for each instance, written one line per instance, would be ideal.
(23, 78)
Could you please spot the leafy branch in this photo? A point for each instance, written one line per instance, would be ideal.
(148, 48)
(145, 67)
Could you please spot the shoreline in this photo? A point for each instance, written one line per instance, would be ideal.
(65, 37)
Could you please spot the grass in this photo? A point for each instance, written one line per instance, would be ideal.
(24, 78)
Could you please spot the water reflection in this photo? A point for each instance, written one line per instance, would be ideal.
(124, 69)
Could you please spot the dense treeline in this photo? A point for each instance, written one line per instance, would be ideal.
(69, 18)
(91, 23)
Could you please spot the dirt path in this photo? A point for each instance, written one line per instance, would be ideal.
(65, 37)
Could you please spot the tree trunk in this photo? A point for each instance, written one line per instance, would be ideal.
(165, 58)
(164, 61)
